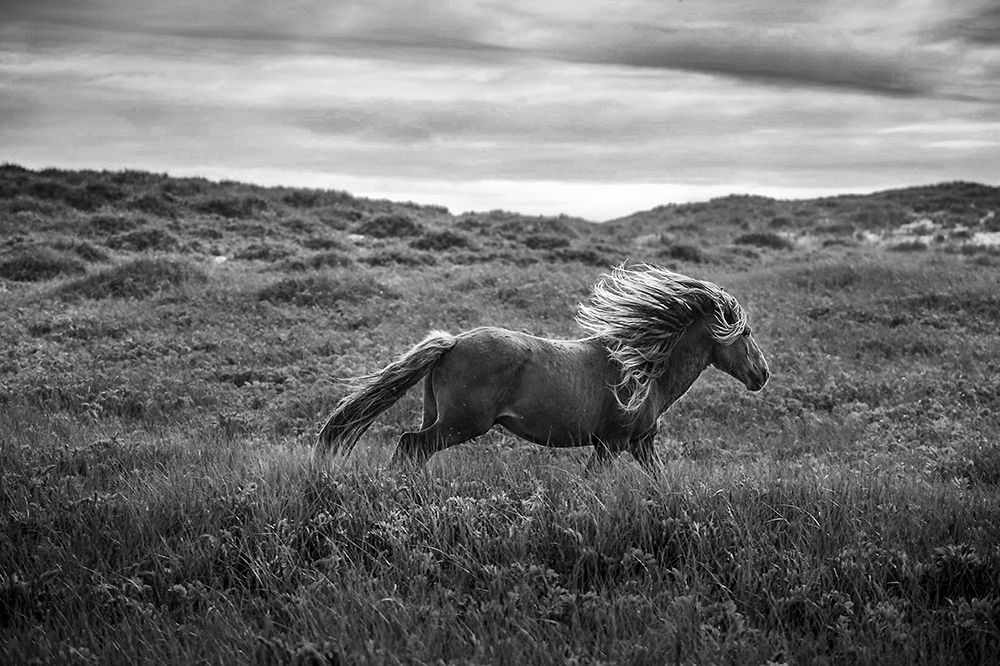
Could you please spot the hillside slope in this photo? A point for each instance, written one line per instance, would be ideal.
(63, 220)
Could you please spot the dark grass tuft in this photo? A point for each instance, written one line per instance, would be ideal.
(765, 239)
(139, 278)
(37, 263)
(389, 226)
(325, 290)
(442, 240)
(143, 240)
(263, 252)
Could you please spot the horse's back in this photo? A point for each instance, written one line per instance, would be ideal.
(548, 391)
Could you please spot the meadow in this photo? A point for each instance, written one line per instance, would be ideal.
(170, 347)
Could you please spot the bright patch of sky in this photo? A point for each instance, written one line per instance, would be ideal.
(595, 108)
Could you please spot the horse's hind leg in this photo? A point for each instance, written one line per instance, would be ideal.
(421, 445)
(430, 403)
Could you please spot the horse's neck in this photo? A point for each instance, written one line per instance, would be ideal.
(687, 361)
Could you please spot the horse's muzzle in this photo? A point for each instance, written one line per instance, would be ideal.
(757, 381)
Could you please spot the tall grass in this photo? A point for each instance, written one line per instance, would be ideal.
(180, 548)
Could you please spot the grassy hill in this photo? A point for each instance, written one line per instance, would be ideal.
(170, 346)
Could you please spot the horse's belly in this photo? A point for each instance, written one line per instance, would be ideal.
(547, 431)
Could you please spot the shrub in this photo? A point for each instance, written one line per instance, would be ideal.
(233, 207)
(323, 243)
(263, 252)
(139, 278)
(683, 252)
(142, 240)
(399, 258)
(114, 224)
(765, 239)
(441, 240)
(332, 259)
(325, 290)
(154, 204)
(36, 263)
(338, 217)
(82, 249)
(389, 226)
(298, 226)
(914, 245)
(586, 256)
(92, 197)
(545, 242)
(302, 198)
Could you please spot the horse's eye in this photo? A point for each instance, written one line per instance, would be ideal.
(747, 332)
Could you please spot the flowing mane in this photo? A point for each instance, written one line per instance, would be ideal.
(639, 312)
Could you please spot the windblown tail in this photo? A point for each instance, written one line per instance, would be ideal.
(379, 391)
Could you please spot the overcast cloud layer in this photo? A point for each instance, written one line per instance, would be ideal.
(592, 107)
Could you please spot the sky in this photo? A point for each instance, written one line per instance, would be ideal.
(593, 108)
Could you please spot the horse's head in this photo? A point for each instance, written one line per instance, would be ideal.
(743, 360)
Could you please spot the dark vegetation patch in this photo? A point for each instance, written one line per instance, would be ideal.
(161, 205)
(765, 239)
(914, 245)
(233, 207)
(331, 259)
(37, 263)
(338, 217)
(586, 256)
(22, 203)
(264, 252)
(83, 249)
(323, 243)
(545, 241)
(389, 226)
(396, 257)
(76, 328)
(144, 240)
(298, 226)
(138, 278)
(840, 276)
(114, 224)
(325, 290)
(437, 241)
(683, 252)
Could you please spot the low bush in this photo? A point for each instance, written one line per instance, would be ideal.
(263, 252)
(765, 239)
(399, 258)
(323, 243)
(154, 204)
(82, 249)
(332, 259)
(37, 263)
(114, 224)
(139, 278)
(586, 256)
(441, 240)
(233, 207)
(325, 290)
(142, 240)
(683, 252)
(545, 242)
(389, 226)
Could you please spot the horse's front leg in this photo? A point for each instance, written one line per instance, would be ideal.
(643, 451)
(601, 456)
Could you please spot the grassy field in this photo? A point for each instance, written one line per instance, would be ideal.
(169, 347)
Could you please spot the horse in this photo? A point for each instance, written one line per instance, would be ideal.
(651, 332)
